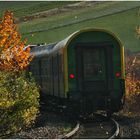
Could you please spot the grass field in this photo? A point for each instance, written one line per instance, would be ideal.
(120, 17)
(73, 16)
(123, 24)
(22, 8)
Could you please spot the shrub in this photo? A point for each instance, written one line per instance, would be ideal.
(132, 95)
(13, 55)
(132, 103)
(19, 102)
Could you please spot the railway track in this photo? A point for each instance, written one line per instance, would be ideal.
(97, 127)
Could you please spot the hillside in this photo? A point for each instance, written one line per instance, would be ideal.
(24, 8)
(40, 21)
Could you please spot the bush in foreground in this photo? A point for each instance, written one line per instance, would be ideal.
(132, 103)
(18, 102)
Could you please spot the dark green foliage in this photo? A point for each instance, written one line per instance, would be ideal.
(18, 102)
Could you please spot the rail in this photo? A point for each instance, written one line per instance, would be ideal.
(71, 133)
(116, 133)
(77, 127)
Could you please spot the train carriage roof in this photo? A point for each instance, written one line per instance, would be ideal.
(47, 49)
(66, 41)
(41, 50)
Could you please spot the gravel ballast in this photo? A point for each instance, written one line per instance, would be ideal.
(49, 125)
(129, 126)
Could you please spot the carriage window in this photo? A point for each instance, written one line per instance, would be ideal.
(93, 65)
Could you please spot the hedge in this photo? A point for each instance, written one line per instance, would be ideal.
(19, 102)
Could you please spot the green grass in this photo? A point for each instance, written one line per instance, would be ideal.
(77, 15)
(22, 8)
(122, 24)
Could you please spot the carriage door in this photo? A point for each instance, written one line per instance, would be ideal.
(91, 69)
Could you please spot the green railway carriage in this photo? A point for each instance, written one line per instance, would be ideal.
(86, 68)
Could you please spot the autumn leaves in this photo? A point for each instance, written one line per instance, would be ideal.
(13, 56)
